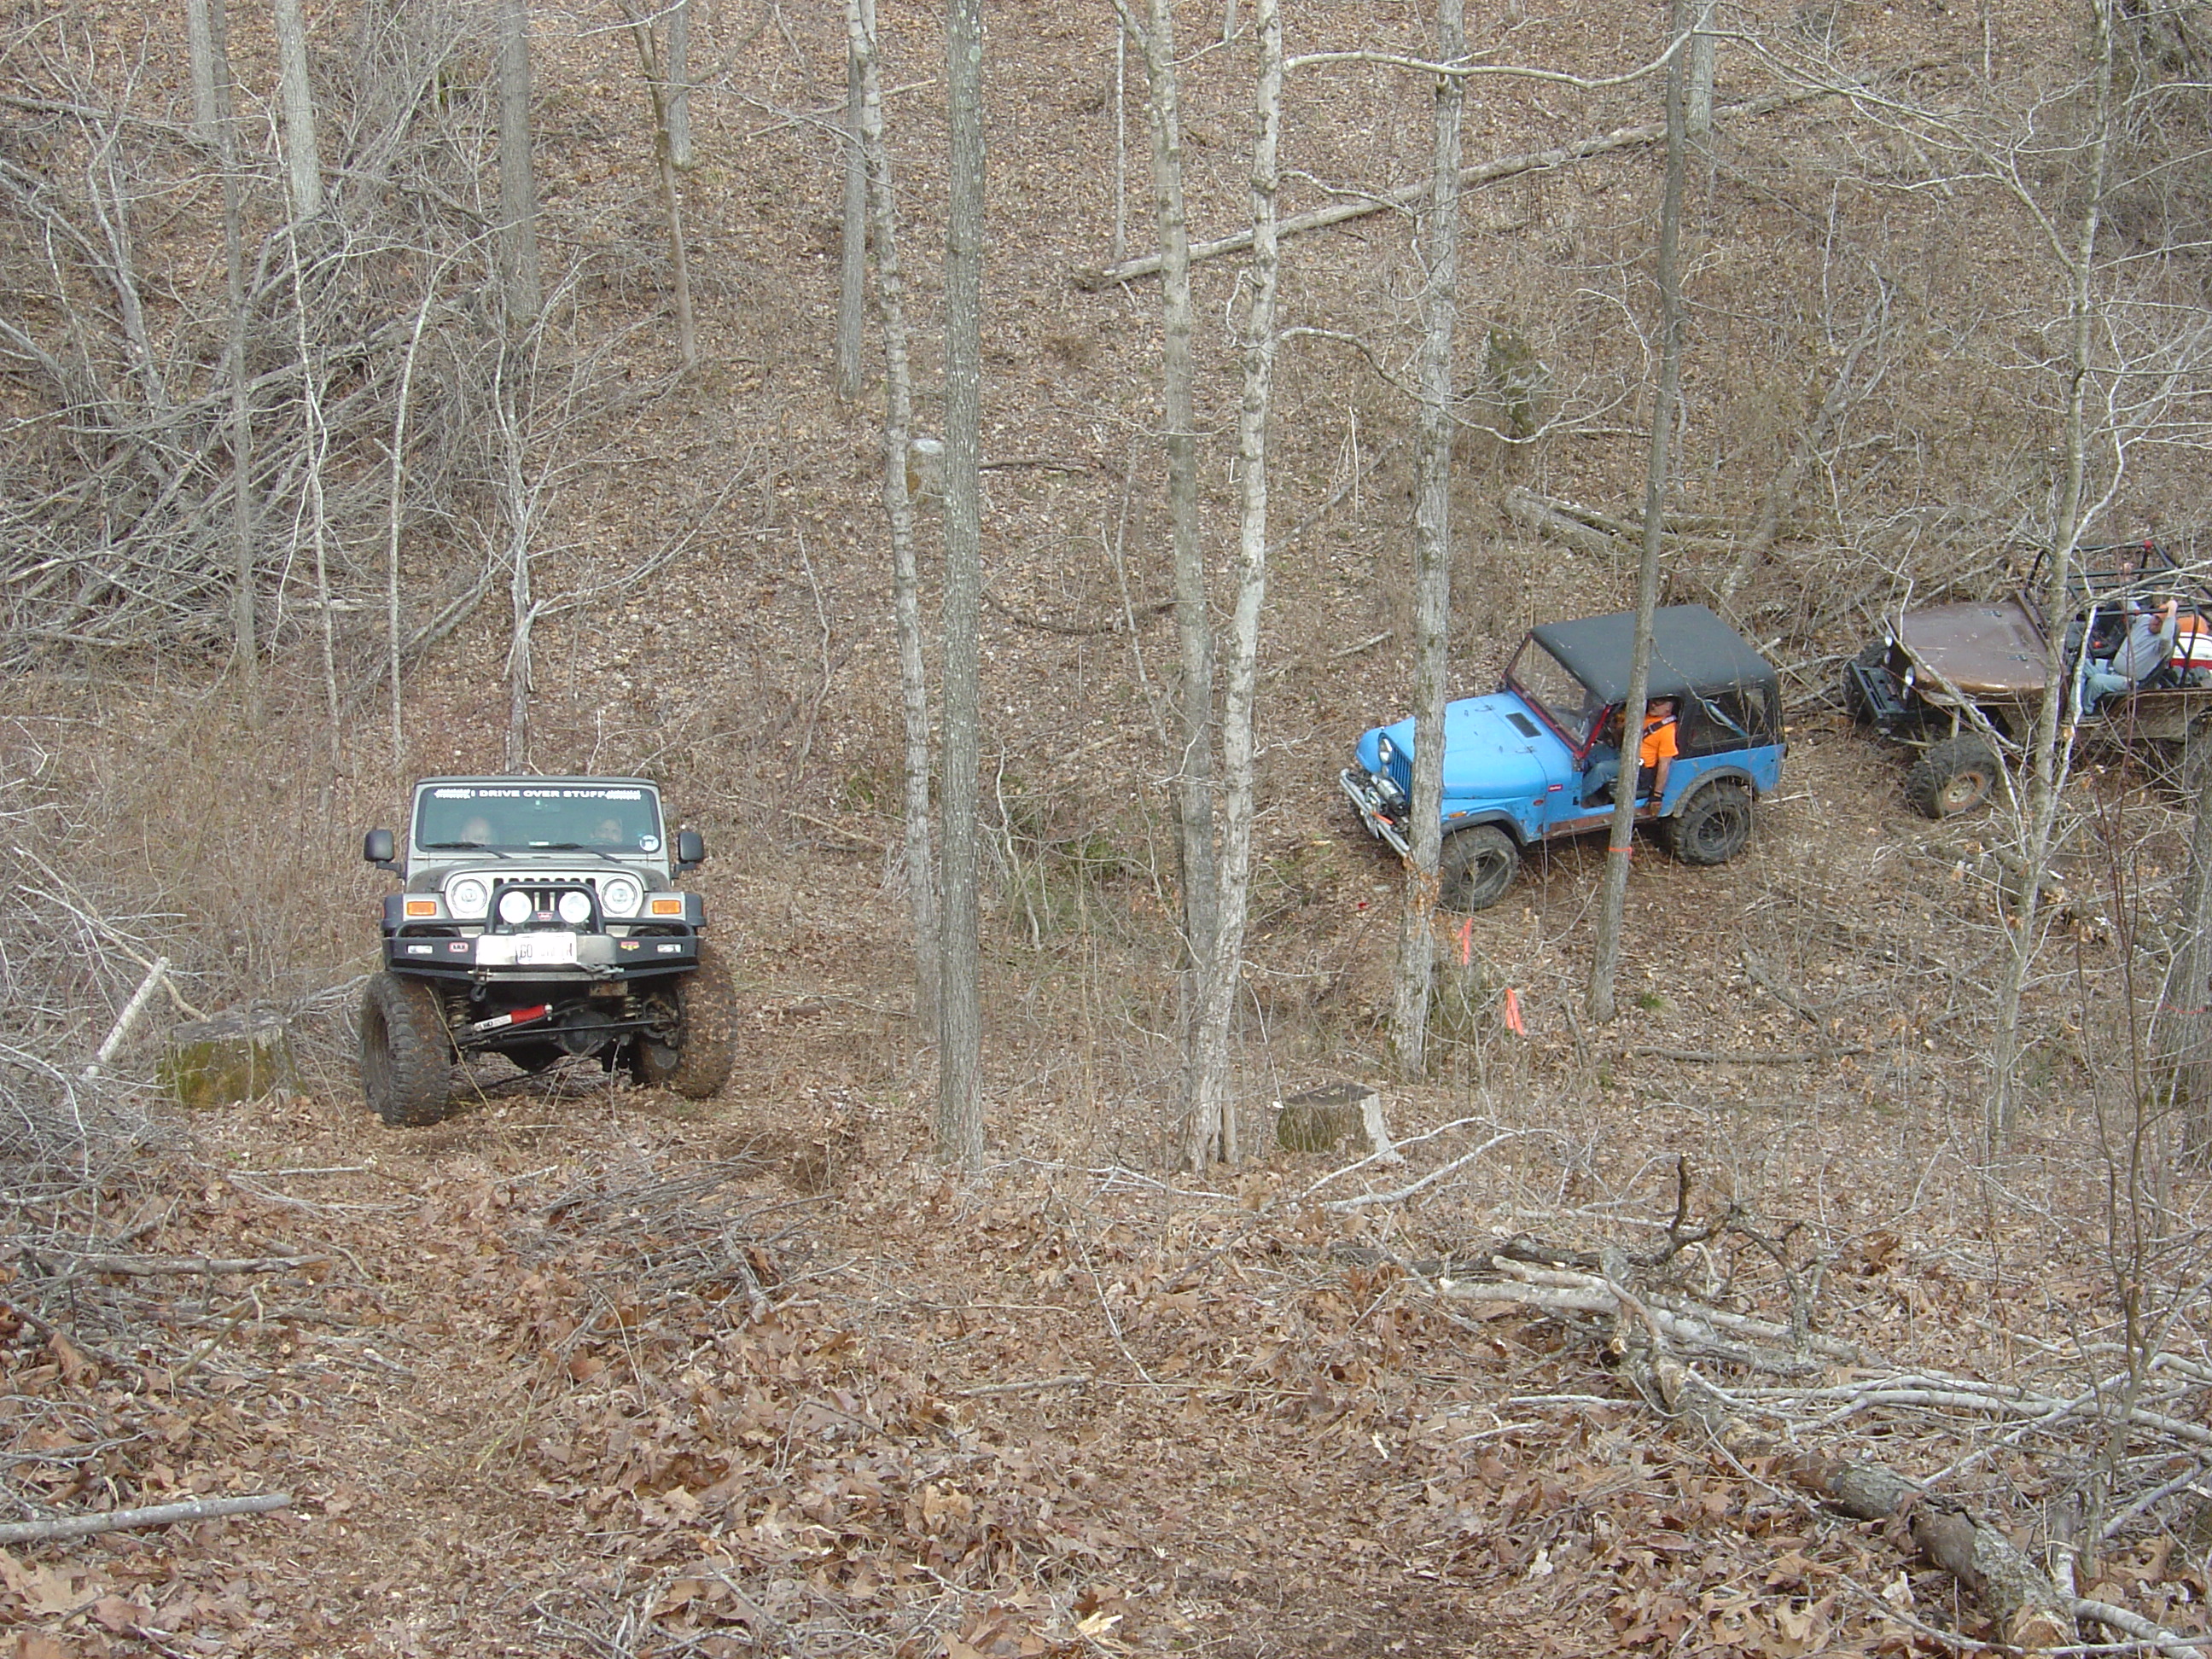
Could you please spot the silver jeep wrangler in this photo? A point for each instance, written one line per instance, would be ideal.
(539, 919)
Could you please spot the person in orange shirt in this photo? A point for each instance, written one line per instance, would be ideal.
(1654, 756)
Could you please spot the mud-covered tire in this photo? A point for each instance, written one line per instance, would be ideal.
(698, 1063)
(1952, 776)
(1712, 826)
(1474, 867)
(406, 1052)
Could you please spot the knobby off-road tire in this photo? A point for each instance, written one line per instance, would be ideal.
(406, 1052)
(1952, 776)
(1713, 827)
(698, 1062)
(1474, 868)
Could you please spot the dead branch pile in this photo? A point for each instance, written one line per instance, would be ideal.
(2108, 1434)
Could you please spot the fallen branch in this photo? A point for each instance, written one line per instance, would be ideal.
(1072, 1380)
(2156, 1637)
(1728, 1057)
(160, 1515)
(1484, 173)
(155, 1266)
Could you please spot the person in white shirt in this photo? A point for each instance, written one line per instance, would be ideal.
(2148, 648)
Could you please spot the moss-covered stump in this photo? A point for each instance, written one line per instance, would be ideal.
(234, 1056)
(1343, 1115)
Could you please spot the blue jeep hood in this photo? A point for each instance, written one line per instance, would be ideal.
(1487, 756)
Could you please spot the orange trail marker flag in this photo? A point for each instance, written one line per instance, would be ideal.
(1513, 1012)
(1466, 941)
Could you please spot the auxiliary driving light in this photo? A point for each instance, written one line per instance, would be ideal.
(514, 907)
(575, 906)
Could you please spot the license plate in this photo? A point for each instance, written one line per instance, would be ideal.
(543, 949)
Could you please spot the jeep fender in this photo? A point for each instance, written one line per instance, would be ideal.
(1498, 816)
(1704, 781)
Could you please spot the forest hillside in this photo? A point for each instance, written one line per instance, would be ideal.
(464, 386)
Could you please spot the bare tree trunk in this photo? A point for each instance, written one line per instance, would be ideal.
(2185, 1020)
(1705, 58)
(1214, 1128)
(1194, 627)
(394, 522)
(679, 250)
(522, 600)
(518, 181)
(959, 1064)
(853, 273)
(302, 164)
(1417, 953)
(319, 444)
(1121, 246)
(202, 21)
(2047, 760)
(679, 85)
(898, 508)
(672, 199)
(1605, 965)
(245, 641)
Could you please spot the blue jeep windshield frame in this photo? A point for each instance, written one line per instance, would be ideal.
(603, 818)
(1543, 680)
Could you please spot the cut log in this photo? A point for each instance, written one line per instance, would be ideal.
(1341, 1116)
(243, 1055)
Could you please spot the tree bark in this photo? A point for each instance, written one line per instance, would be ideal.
(245, 641)
(518, 181)
(302, 163)
(2048, 758)
(959, 1062)
(1194, 772)
(1605, 965)
(2185, 1028)
(899, 492)
(657, 92)
(201, 24)
(853, 272)
(1417, 953)
(394, 517)
(679, 85)
(1212, 1131)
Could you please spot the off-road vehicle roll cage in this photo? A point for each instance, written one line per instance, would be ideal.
(1964, 682)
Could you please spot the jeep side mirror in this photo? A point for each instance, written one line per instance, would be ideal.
(376, 847)
(690, 848)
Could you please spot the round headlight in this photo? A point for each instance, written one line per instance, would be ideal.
(1385, 750)
(514, 907)
(620, 897)
(468, 897)
(575, 906)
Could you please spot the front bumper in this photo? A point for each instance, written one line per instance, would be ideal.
(1879, 697)
(1372, 798)
(544, 954)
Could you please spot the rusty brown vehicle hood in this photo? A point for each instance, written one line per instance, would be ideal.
(1990, 648)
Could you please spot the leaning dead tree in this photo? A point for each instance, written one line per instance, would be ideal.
(2105, 1435)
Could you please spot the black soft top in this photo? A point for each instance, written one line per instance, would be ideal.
(1692, 651)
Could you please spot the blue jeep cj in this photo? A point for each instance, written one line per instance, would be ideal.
(1519, 764)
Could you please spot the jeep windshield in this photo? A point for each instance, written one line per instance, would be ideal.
(489, 816)
(1561, 698)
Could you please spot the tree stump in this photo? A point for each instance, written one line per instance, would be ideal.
(1341, 1114)
(238, 1055)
